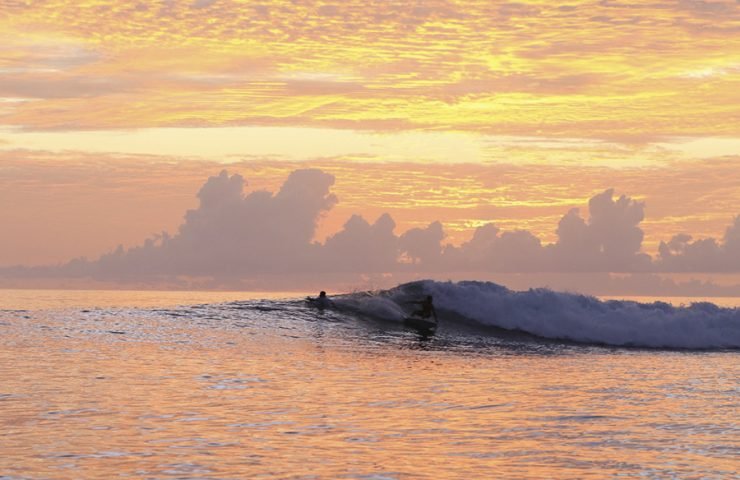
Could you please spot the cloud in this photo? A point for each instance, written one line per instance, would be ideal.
(423, 245)
(362, 247)
(683, 254)
(233, 237)
(58, 86)
(580, 71)
(493, 250)
(203, 3)
(610, 241)
(230, 234)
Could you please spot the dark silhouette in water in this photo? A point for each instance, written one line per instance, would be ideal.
(322, 301)
(426, 309)
(421, 319)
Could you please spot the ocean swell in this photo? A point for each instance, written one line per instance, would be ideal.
(575, 317)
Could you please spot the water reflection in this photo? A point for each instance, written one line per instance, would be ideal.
(231, 391)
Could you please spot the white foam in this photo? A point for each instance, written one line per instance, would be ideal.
(582, 318)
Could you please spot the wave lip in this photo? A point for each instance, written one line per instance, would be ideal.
(580, 318)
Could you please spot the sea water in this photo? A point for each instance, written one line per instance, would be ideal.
(535, 384)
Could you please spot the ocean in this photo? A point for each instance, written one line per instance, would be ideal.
(231, 385)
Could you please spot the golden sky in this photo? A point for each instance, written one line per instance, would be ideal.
(628, 71)
(462, 111)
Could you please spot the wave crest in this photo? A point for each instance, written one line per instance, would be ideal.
(566, 316)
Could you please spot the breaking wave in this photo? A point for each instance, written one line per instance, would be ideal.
(564, 316)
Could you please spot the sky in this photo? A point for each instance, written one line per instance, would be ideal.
(462, 134)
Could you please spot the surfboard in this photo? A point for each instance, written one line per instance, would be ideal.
(420, 324)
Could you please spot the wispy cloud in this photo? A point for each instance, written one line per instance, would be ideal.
(593, 69)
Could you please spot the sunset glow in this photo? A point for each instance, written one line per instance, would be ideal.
(460, 112)
(585, 69)
(369, 239)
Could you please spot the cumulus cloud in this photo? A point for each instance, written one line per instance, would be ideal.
(362, 247)
(423, 245)
(684, 254)
(609, 241)
(490, 249)
(233, 237)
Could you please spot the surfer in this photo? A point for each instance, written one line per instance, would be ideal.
(426, 309)
(322, 301)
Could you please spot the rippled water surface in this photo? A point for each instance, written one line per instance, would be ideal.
(271, 388)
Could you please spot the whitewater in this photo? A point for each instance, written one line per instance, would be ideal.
(555, 315)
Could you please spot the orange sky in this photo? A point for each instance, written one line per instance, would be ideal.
(112, 114)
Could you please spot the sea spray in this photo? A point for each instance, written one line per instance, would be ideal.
(567, 316)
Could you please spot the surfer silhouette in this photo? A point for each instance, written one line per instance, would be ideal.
(322, 301)
(426, 309)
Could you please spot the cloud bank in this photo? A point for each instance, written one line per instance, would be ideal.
(684, 254)
(233, 236)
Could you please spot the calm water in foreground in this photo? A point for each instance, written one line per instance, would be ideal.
(102, 385)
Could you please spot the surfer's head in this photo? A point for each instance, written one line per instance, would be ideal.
(322, 294)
